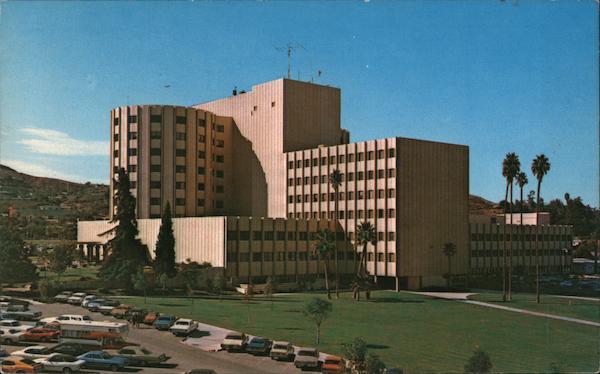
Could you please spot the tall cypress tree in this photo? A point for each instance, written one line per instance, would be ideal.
(15, 266)
(164, 262)
(127, 252)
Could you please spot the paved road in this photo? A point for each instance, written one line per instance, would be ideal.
(186, 357)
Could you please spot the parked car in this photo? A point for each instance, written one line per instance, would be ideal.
(164, 322)
(33, 352)
(76, 298)
(183, 327)
(27, 315)
(307, 358)
(3, 353)
(201, 371)
(63, 297)
(60, 363)
(138, 356)
(258, 346)
(281, 350)
(102, 360)
(67, 317)
(95, 304)
(11, 336)
(40, 334)
(234, 342)
(15, 364)
(13, 324)
(86, 300)
(333, 365)
(72, 349)
(150, 318)
(108, 306)
(120, 311)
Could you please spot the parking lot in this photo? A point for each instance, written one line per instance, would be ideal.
(182, 356)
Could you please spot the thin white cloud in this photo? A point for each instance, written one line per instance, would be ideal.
(52, 142)
(39, 170)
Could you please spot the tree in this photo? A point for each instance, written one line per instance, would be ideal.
(521, 182)
(140, 282)
(322, 250)
(219, 284)
(162, 281)
(164, 261)
(510, 168)
(60, 258)
(335, 180)
(15, 266)
(479, 363)
(127, 251)
(539, 167)
(270, 289)
(317, 310)
(449, 251)
(373, 364)
(355, 353)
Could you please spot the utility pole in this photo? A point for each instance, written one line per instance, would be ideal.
(289, 48)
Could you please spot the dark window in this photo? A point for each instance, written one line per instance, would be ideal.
(201, 171)
(220, 128)
(180, 185)
(219, 204)
(268, 256)
(132, 119)
(291, 256)
(370, 174)
(292, 235)
(200, 186)
(219, 143)
(302, 235)
(132, 184)
(391, 152)
(256, 256)
(200, 202)
(180, 168)
(269, 235)
(154, 201)
(132, 168)
(155, 151)
(116, 121)
(179, 201)
(290, 164)
(155, 168)
(244, 235)
(280, 235)
(370, 155)
(132, 152)
(201, 122)
(116, 137)
(180, 152)
(132, 135)
(180, 136)
(155, 184)
(380, 154)
(244, 257)
(391, 173)
(220, 174)
(201, 138)
(256, 235)
(220, 158)
(155, 135)
(351, 157)
(361, 156)
(232, 235)
(180, 120)
(220, 189)
(156, 118)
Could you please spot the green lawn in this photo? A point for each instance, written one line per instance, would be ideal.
(409, 331)
(73, 274)
(583, 309)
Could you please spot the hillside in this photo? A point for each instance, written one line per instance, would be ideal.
(479, 205)
(47, 208)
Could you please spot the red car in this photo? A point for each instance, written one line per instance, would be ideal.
(40, 334)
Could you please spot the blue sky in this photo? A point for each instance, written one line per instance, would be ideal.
(499, 76)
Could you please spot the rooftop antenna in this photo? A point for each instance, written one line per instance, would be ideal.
(289, 48)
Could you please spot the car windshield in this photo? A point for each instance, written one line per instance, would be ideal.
(145, 351)
(10, 323)
(280, 346)
(182, 323)
(258, 341)
(164, 318)
(27, 361)
(234, 337)
(308, 353)
(332, 362)
(87, 318)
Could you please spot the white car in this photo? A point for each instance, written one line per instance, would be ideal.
(87, 300)
(306, 358)
(66, 317)
(33, 352)
(183, 327)
(76, 298)
(10, 336)
(234, 341)
(61, 363)
(281, 350)
(13, 324)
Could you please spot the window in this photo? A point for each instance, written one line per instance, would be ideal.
(244, 257)
(156, 118)
(380, 173)
(361, 156)
(280, 235)
(391, 173)
(350, 214)
(132, 152)
(380, 194)
(331, 160)
(180, 201)
(154, 201)
(201, 154)
(155, 168)
(361, 176)
(180, 136)
(219, 143)
(315, 198)
(370, 174)
(360, 195)
(370, 194)
(306, 180)
(200, 186)
(315, 179)
(350, 195)
(380, 257)
(370, 155)
(391, 152)
(391, 236)
(391, 213)
(180, 168)
(302, 235)
(360, 214)
(370, 256)
(154, 184)
(220, 174)
(298, 164)
(155, 151)
(220, 189)
(244, 235)
(201, 171)
(201, 139)
(269, 235)
(341, 196)
(351, 157)
(291, 256)
(391, 192)
(220, 158)
(380, 154)
(290, 181)
(272, 104)
(298, 181)
(290, 164)
(323, 161)
(315, 162)
(256, 235)
(302, 256)
(180, 152)
(306, 198)
(350, 177)
(155, 135)
(341, 159)
(323, 178)
(180, 120)
(380, 213)
(268, 256)
(380, 236)
(132, 168)
(132, 184)
(132, 135)
(298, 198)
(292, 235)
(200, 203)
(341, 214)
(180, 185)
(370, 213)
(220, 128)
(306, 163)
(391, 257)
(201, 122)
(323, 197)
(255, 108)
(116, 137)
(116, 121)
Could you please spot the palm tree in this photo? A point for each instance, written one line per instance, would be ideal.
(539, 167)
(322, 249)
(365, 235)
(521, 182)
(449, 251)
(510, 168)
(335, 181)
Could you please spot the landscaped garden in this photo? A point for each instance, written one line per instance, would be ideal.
(413, 332)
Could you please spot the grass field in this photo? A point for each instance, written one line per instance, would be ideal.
(73, 274)
(583, 309)
(413, 332)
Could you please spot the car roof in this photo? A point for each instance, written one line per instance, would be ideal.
(184, 320)
(280, 342)
(331, 357)
(9, 320)
(306, 349)
(36, 347)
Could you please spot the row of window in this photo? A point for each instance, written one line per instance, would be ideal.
(181, 202)
(341, 159)
(276, 235)
(342, 196)
(516, 253)
(316, 179)
(381, 213)
(516, 237)
(302, 256)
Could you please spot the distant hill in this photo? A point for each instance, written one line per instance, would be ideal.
(479, 205)
(48, 208)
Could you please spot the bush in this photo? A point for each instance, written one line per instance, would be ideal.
(479, 363)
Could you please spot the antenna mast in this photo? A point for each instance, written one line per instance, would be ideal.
(289, 48)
